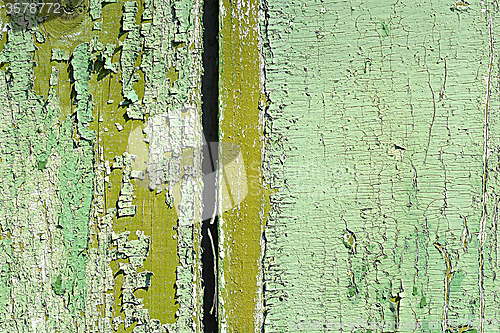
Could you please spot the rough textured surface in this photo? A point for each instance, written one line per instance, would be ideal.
(243, 201)
(382, 146)
(86, 245)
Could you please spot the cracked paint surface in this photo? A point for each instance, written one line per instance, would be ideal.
(85, 248)
(244, 201)
(382, 148)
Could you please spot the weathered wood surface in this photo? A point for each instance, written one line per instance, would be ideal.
(244, 201)
(358, 164)
(381, 156)
(100, 169)
(382, 146)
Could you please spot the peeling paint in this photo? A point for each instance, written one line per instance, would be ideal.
(243, 200)
(68, 265)
(385, 204)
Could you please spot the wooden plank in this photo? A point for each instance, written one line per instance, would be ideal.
(382, 146)
(244, 202)
(90, 244)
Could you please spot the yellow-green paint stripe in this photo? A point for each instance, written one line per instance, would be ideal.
(243, 202)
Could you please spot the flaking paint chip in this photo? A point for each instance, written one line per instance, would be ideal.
(137, 174)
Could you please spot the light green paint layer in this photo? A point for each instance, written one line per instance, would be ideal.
(47, 189)
(73, 89)
(375, 144)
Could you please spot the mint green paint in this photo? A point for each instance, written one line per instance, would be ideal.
(59, 55)
(95, 9)
(44, 218)
(57, 286)
(76, 179)
(81, 74)
(5, 276)
(57, 240)
(374, 125)
(170, 49)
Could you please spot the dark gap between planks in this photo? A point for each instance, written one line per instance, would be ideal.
(210, 122)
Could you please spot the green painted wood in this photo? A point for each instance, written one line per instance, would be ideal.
(382, 147)
(100, 214)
